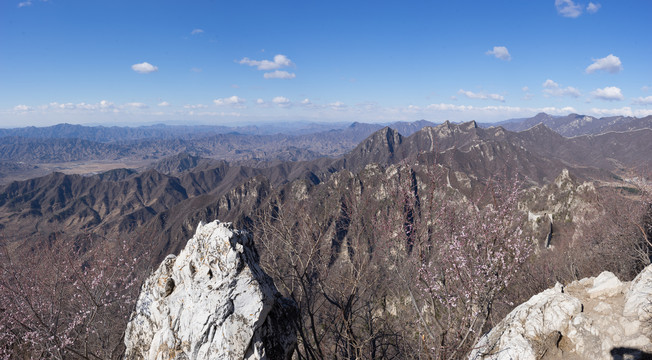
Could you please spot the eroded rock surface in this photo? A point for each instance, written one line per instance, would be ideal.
(213, 301)
(593, 318)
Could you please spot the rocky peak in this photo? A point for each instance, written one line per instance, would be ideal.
(212, 301)
(469, 125)
(593, 318)
(385, 139)
(388, 137)
(542, 115)
(409, 128)
(380, 147)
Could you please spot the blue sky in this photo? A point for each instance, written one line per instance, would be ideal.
(216, 62)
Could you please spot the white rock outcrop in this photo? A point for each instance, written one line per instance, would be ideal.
(212, 301)
(593, 318)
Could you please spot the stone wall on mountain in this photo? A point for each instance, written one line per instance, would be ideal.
(593, 318)
(212, 301)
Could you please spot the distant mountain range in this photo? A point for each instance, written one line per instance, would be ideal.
(26, 152)
(66, 143)
(575, 125)
(104, 134)
(164, 201)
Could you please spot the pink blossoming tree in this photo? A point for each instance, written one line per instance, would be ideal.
(64, 303)
(458, 257)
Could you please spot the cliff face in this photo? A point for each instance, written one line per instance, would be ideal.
(213, 301)
(593, 318)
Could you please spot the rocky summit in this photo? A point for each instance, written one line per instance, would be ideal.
(212, 301)
(593, 318)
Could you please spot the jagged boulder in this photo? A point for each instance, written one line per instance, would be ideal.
(212, 301)
(593, 318)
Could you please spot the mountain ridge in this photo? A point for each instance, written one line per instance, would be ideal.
(176, 192)
(572, 125)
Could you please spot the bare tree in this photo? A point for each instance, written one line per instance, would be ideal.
(454, 256)
(66, 302)
(397, 265)
(323, 256)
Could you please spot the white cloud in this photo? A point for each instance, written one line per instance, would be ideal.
(448, 107)
(281, 101)
(472, 95)
(610, 93)
(103, 106)
(525, 89)
(551, 88)
(624, 111)
(610, 63)
(164, 104)
(280, 61)
(496, 97)
(337, 105)
(306, 102)
(195, 106)
(568, 8)
(231, 101)
(504, 110)
(106, 105)
(193, 113)
(195, 69)
(278, 74)
(137, 105)
(71, 106)
(23, 108)
(28, 3)
(144, 68)
(593, 8)
(643, 100)
(557, 111)
(260, 101)
(196, 31)
(500, 52)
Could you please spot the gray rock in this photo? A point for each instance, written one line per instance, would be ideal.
(638, 300)
(593, 318)
(213, 301)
